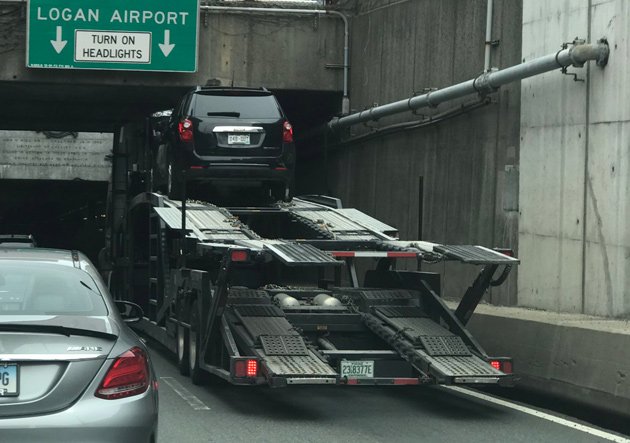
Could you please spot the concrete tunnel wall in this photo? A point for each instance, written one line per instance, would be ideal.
(574, 238)
(468, 166)
(567, 140)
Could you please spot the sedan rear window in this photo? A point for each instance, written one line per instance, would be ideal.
(32, 288)
(236, 106)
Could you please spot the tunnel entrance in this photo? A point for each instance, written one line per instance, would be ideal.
(59, 214)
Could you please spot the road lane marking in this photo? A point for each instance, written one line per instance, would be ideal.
(185, 394)
(552, 418)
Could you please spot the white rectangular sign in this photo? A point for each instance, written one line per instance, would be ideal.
(31, 155)
(112, 46)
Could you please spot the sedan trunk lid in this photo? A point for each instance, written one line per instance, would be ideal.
(46, 362)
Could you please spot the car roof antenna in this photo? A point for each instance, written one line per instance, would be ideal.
(232, 85)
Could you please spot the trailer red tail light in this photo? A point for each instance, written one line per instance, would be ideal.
(505, 251)
(287, 132)
(185, 129)
(504, 366)
(128, 376)
(239, 255)
(252, 368)
(246, 368)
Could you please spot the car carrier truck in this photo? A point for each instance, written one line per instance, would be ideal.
(305, 292)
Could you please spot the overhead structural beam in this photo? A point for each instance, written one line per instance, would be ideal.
(576, 55)
(346, 33)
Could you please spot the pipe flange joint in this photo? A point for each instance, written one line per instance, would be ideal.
(604, 52)
(482, 84)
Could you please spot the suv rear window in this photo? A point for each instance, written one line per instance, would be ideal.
(31, 288)
(237, 106)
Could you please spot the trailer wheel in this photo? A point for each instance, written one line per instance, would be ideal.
(183, 361)
(197, 375)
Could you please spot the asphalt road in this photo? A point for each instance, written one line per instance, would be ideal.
(224, 413)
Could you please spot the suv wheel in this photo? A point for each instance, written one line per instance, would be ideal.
(281, 192)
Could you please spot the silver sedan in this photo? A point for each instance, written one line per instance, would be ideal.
(71, 370)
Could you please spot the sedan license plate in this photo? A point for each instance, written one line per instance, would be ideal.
(238, 139)
(357, 368)
(8, 379)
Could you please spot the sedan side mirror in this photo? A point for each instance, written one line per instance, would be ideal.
(130, 312)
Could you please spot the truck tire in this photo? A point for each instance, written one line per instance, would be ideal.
(183, 362)
(197, 375)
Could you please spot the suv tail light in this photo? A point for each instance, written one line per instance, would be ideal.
(185, 129)
(127, 376)
(287, 132)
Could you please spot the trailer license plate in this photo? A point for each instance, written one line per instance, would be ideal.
(238, 139)
(8, 379)
(357, 368)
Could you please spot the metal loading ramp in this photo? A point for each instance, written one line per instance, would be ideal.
(341, 224)
(431, 348)
(282, 350)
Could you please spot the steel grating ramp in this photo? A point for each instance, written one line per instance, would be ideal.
(283, 345)
(206, 223)
(259, 320)
(244, 296)
(477, 255)
(460, 366)
(444, 346)
(259, 311)
(414, 328)
(294, 254)
(298, 366)
(401, 311)
(445, 354)
(257, 326)
(341, 225)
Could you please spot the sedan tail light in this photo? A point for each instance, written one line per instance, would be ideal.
(185, 129)
(287, 132)
(128, 376)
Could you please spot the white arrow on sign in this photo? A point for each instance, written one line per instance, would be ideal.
(59, 44)
(166, 47)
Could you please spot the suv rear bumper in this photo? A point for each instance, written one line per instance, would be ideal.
(239, 173)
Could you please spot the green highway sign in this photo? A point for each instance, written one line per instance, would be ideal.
(127, 35)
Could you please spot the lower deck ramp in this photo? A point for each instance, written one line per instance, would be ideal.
(281, 348)
(442, 354)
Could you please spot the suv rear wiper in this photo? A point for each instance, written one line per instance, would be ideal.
(224, 114)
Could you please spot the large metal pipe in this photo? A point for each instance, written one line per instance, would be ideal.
(487, 82)
(345, 106)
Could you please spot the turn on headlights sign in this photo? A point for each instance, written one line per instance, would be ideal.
(160, 35)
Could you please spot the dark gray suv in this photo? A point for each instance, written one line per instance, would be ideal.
(219, 135)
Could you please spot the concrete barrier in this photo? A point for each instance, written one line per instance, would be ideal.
(577, 357)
